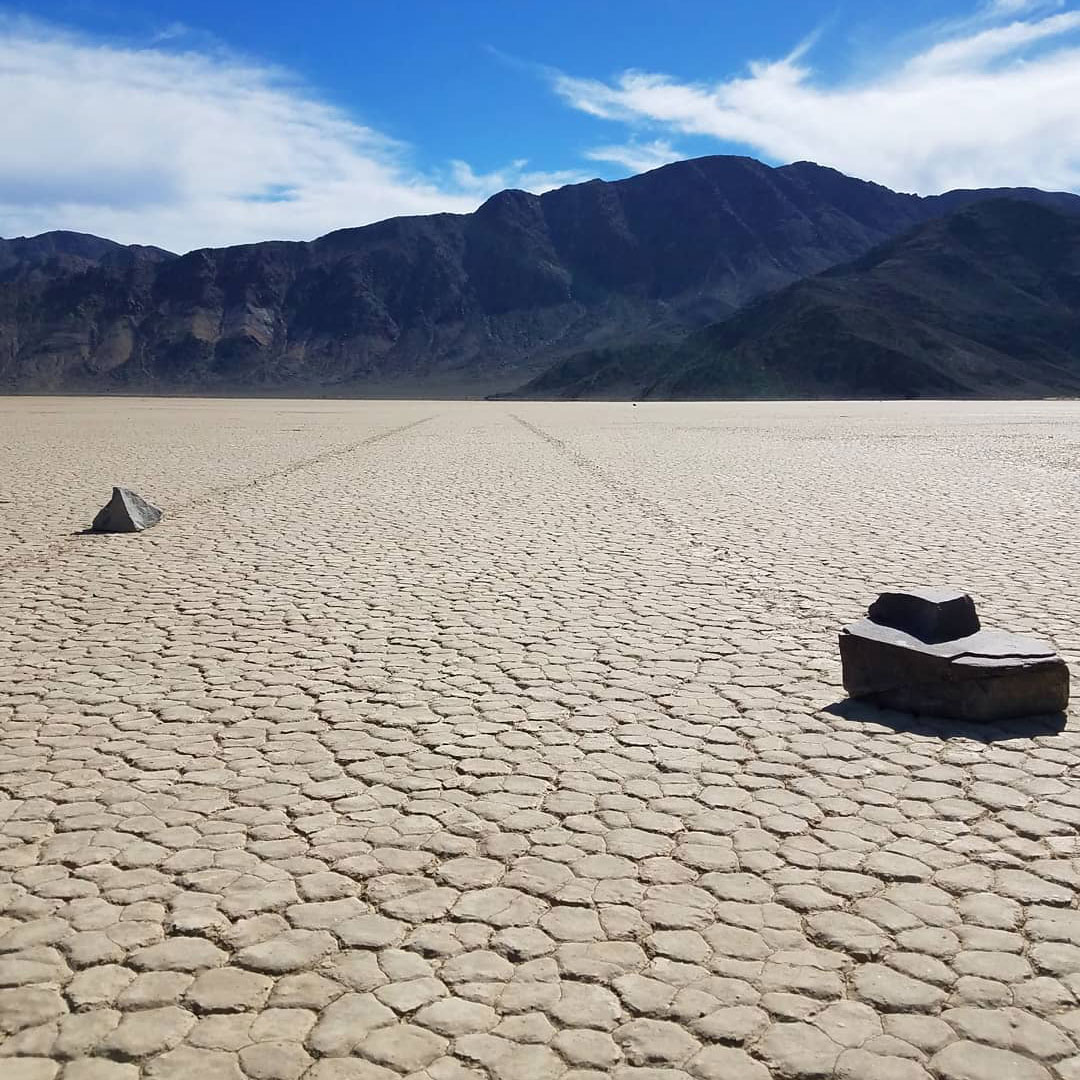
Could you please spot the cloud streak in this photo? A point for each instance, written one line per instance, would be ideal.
(636, 156)
(190, 148)
(518, 174)
(1020, 7)
(997, 104)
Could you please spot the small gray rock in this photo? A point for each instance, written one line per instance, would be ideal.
(126, 512)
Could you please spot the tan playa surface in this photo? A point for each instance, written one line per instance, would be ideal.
(457, 741)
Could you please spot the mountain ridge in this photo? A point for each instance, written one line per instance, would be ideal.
(477, 303)
(983, 302)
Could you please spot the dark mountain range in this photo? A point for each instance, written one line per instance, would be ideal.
(446, 304)
(57, 252)
(982, 303)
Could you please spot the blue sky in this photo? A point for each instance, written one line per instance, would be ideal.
(208, 123)
(441, 74)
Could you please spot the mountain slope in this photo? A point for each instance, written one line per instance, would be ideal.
(984, 302)
(451, 304)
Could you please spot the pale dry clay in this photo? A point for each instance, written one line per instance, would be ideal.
(464, 741)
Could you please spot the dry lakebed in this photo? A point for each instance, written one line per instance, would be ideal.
(506, 741)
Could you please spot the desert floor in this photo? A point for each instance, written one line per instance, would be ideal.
(468, 740)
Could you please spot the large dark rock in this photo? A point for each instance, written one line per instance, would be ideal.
(986, 675)
(126, 512)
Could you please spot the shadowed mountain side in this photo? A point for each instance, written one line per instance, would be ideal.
(982, 303)
(459, 305)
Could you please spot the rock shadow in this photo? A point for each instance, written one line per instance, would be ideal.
(940, 727)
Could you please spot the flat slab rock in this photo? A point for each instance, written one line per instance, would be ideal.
(126, 512)
(984, 675)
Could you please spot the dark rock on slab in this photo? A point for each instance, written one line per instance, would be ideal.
(929, 614)
(985, 676)
(125, 512)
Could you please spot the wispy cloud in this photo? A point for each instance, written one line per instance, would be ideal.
(636, 156)
(1020, 7)
(518, 174)
(193, 147)
(995, 100)
(975, 52)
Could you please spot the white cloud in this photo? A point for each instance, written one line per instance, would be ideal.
(193, 148)
(516, 175)
(1020, 7)
(636, 156)
(976, 51)
(995, 104)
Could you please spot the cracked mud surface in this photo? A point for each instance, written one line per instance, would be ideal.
(504, 741)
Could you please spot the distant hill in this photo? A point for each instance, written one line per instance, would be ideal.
(59, 252)
(982, 303)
(446, 304)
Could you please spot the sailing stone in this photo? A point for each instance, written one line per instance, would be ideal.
(126, 512)
(899, 659)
